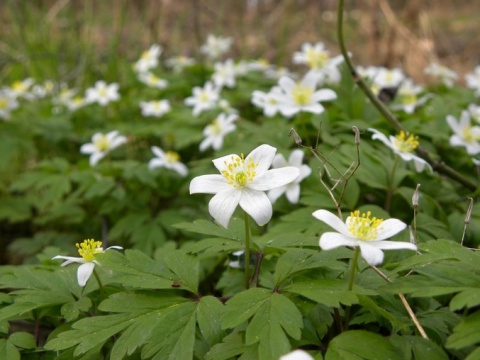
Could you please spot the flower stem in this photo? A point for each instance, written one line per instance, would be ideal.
(247, 251)
(353, 266)
(391, 186)
(100, 285)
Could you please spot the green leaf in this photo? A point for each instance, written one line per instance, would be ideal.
(22, 340)
(243, 306)
(185, 267)
(415, 347)
(465, 333)
(14, 209)
(101, 187)
(272, 321)
(468, 298)
(8, 350)
(209, 228)
(231, 346)
(71, 310)
(209, 315)
(370, 304)
(360, 344)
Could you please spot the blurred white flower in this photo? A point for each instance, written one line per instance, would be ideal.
(474, 111)
(216, 46)
(403, 145)
(203, 98)
(277, 72)
(169, 160)
(101, 145)
(386, 78)
(464, 134)
(318, 59)
(408, 98)
(291, 190)
(179, 63)
(88, 249)
(148, 59)
(302, 96)
(216, 131)
(364, 231)
(8, 102)
(269, 102)
(473, 80)
(243, 182)
(156, 108)
(441, 73)
(152, 80)
(224, 74)
(296, 355)
(21, 89)
(102, 93)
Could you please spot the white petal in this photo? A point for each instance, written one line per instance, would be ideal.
(156, 163)
(372, 255)
(296, 158)
(286, 83)
(257, 205)
(279, 161)
(293, 193)
(158, 152)
(208, 184)
(223, 204)
(221, 161)
(69, 259)
(84, 272)
(274, 178)
(305, 171)
(393, 245)
(333, 221)
(274, 194)
(324, 95)
(390, 227)
(332, 240)
(96, 157)
(180, 168)
(88, 148)
(263, 156)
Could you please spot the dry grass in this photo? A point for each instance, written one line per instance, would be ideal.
(405, 33)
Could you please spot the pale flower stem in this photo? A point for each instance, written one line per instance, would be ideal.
(391, 187)
(405, 304)
(247, 251)
(351, 277)
(100, 285)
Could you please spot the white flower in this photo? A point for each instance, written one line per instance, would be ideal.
(441, 73)
(148, 59)
(224, 74)
(278, 72)
(216, 46)
(403, 145)
(387, 78)
(8, 102)
(362, 230)
(473, 80)
(319, 61)
(269, 102)
(152, 80)
(216, 131)
(243, 182)
(296, 355)
(102, 93)
(101, 145)
(408, 99)
(474, 111)
(203, 98)
(180, 62)
(21, 89)
(169, 160)
(302, 96)
(291, 190)
(156, 108)
(464, 133)
(87, 250)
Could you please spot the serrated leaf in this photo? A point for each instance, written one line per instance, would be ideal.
(231, 346)
(22, 340)
(100, 187)
(468, 298)
(370, 304)
(15, 209)
(465, 333)
(243, 306)
(209, 315)
(360, 344)
(71, 310)
(209, 228)
(415, 347)
(185, 267)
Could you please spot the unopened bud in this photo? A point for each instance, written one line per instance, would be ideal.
(469, 211)
(296, 137)
(416, 196)
(357, 135)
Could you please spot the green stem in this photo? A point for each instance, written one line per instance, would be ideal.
(353, 266)
(247, 251)
(100, 285)
(391, 185)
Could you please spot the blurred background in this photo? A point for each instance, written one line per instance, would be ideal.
(63, 39)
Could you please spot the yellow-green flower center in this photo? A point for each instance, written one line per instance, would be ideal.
(19, 86)
(89, 248)
(302, 94)
(146, 55)
(102, 143)
(203, 96)
(468, 135)
(406, 142)
(214, 128)
(237, 174)
(363, 226)
(316, 59)
(3, 103)
(172, 157)
(408, 98)
(102, 92)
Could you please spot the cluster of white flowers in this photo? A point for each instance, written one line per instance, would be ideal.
(442, 74)
(465, 133)
(473, 80)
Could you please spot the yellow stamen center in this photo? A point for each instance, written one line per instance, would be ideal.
(408, 98)
(239, 174)
(203, 96)
(172, 157)
(89, 248)
(102, 92)
(102, 143)
(214, 128)
(3, 103)
(316, 59)
(468, 135)
(19, 86)
(302, 94)
(406, 142)
(363, 226)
